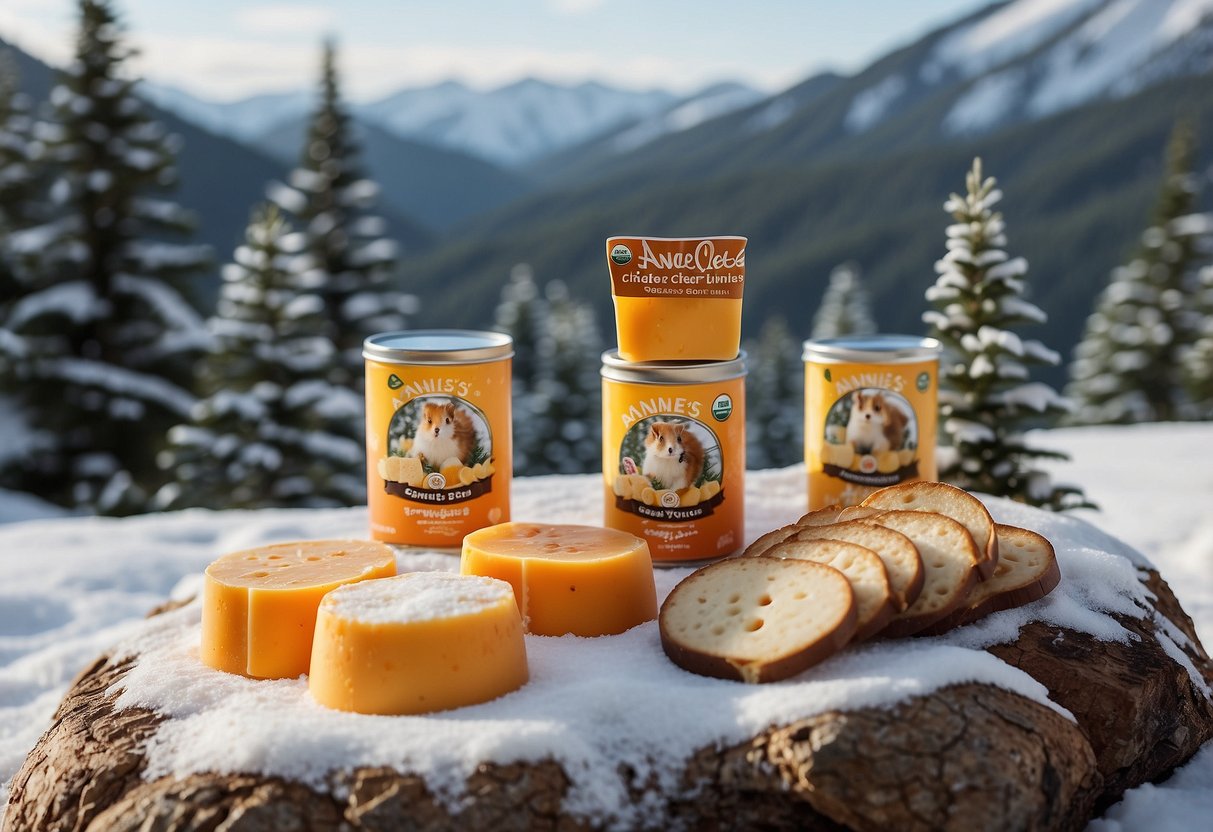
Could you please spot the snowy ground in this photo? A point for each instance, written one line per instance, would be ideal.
(70, 588)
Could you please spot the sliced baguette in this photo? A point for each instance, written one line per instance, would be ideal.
(1027, 571)
(901, 558)
(769, 540)
(949, 501)
(949, 558)
(857, 513)
(821, 517)
(757, 619)
(863, 568)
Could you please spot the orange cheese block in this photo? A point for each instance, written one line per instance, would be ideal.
(259, 605)
(685, 329)
(418, 642)
(583, 580)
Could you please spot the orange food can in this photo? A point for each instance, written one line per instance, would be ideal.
(438, 440)
(871, 404)
(673, 455)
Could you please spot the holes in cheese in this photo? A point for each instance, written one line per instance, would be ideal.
(259, 605)
(583, 580)
(418, 642)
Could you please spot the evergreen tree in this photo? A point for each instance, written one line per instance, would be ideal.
(21, 180)
(100, 343)
(986, 400)
(268, 431)
(567, 388)
(774, 398)
(845, 307)
(1198, 360)
(1128, 366)
(521, 313)
(354, 262)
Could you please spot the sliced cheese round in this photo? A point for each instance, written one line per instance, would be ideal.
(757, 619)
(259, 605)
(415, 643)
(583, 580)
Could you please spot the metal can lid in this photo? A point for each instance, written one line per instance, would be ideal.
(438, 346)
(671, 372)
(877, 349)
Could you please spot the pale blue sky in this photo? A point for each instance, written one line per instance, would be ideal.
(227, 49)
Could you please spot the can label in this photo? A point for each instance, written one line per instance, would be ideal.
(673, 461)
(437, 450)
(867, 426)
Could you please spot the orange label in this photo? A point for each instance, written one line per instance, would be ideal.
(867, 426)
(438, 450)
(673, 462)
(661, 267)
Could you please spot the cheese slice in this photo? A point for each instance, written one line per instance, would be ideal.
(415, 643)
(583, 580)
(259, 605)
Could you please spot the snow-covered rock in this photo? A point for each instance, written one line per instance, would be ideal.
(592, 704)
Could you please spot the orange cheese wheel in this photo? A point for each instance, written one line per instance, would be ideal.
(418, 642)
(583, 580)
(259, 605)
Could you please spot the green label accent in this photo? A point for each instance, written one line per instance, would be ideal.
(828, 377)
(722, 407)
(394, 382)
(923, 382)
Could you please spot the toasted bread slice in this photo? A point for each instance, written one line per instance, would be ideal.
(772, 538)
(901, 558)
(949, 558)
(949, 501)
(757, 619)
(857, 513)
(863, 568)
(821, 517)
(1027, 571)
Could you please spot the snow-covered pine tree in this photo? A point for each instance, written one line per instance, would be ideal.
(522, 313)
(986, 400)
(101, 342)
(774, 398)
(567, 387)
(270, 428)
(333, 204)
(845, 307)
(1129, 365)
(1198, 358)
(21, 179)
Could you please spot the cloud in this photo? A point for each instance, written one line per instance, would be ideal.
(285, 19)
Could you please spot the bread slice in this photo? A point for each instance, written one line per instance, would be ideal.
(863, 568)
(1027, 571)
(900, 557)
(768, 540)
(857, 513)
(821, 517)
(757, 619)
(949, 501)
(949, 558)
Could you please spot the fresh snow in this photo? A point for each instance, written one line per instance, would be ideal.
(1102, 53)
(95, 578)
(1009, 32)
(986, 103)
(871, 105)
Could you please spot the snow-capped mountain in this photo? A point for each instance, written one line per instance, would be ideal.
(509, 126)
(1028, 59)
(684, 114)
(514, 124)
(245, 119)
